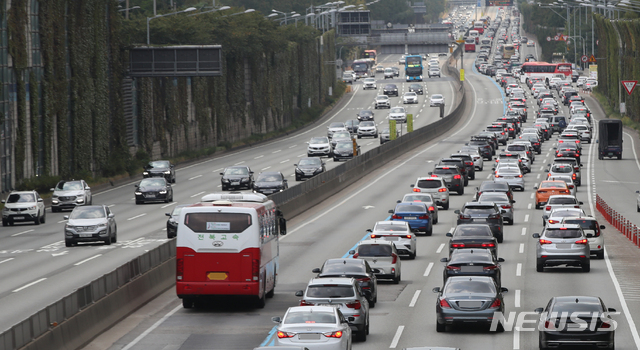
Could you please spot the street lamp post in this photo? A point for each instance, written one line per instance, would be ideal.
(168, 14)
(209, 11)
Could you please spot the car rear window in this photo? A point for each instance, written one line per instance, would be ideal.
(469, 230)
(445, 171)
(343, 269)
(310, 317)
(572, 306)
(330, 291)
(469, 287)
(415, 198)
(387, 227)
(568, 233)
(217, 222)
(494, 186)
(475, 210)
(493, 197)
(562, 200)
(410, 208)
(585, 224)
(554, 184)
(374, 250)
(516, 148)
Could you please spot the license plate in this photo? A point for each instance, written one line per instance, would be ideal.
(479, 220)
(309, 336)
(563, 245)
(471, 269)
(217, 276)
(18, 218)
(470, 304)
(85, 235)
(235, 183)
(610, 154)
(150, 196)
(410, 217)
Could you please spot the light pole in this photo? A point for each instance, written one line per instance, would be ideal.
(239, 13)
(209, 11)
(283, 13)
(168, 14)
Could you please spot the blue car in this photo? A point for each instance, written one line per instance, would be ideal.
(416, 214)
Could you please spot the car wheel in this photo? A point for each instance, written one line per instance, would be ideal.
(5, 223)
(396, 280)
(114, 239)
(440, 327)
(430, 231)
(600, 254)
(43, 219)
(54, 210)
(359, 136)
(372, 304)
(586, 267)
(461, 191)
(68, 243)
(362, 335)
(500, 238)
(445, 206)
(138, 202)
(539, 266)
(37, 220)
(173, 180)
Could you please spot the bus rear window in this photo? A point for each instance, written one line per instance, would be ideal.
(217, 222)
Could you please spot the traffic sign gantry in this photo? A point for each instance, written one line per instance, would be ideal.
(629, 85)
(584, 58)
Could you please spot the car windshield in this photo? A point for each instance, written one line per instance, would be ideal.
(310, 161)
(469, 287)
(344, 146)
(309, 317)
(390, 228)
(152, 182)
(436, 97)
(368, 250)
(562, 200)
(341, 135)
(330, 291)
(365, 112)
(410, 94)
(369, 80)
(21, 198)
(269, 178)
(367, 123)
(558, 233)
(316, 140)
(382, 98)
(415, 86)
(397, 110)
(468, 230)
(236, 171)
(159, 164)
(87, 213)
(69, 185)
(336, 125)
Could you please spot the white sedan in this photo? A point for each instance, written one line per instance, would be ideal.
(410, 97)
(314, 327)
(436, 100)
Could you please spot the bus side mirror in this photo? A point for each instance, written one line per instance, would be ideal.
(283, 225)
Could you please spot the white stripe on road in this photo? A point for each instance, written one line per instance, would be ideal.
(519, 269)
(524, 231)
(87, 259)
(440, 248)
(168, 205)
(239, 163)
(199, 193)
(20, 233)
(521, 250)
(415, 298)
(284, 161)
(394, 342)
(274, 152)
(516, 338)
(258, 157)
(137, 216)
(195, 177)
(154, 326)
(526, 218)
(517, 298)
(263, 169)
(529, 206)
(428, 270)
(5, 260)
(28, 285)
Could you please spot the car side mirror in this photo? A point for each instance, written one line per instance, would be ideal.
(295, 165)
(111, 215)
(500, 260)
(167, 214)
(66, 217)
(611, 309)
(548, 165)
(87, 188)
(412, 185)
(221, 173)
(39, 199)
(316, 270)
(390, 211)
(538, 310)
(351, 252)
(457, 211)
(504, 290)
(299, 293)
(283, 226)
(602, 227)
(53, 189)
(449, 234)
(436, 290)
(597, 141)
(369, 230)
(276, 319)
(251, 173)
(430, 173)
(536, 235)
(375, 270)
(580, 203)
(444, 260)
(535, 187)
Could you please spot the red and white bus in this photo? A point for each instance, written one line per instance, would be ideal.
(544, 70)
(227, 245)
(469, 45)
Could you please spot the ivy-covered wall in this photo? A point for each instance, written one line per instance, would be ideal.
(272, 76)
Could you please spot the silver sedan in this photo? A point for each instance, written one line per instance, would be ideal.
(314, 327)
(512, 176)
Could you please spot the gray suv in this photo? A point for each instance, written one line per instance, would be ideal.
(69, 194)
(343, 293)
(562, 244)
(452, 176)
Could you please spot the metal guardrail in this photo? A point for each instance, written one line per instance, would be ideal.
(48, 318)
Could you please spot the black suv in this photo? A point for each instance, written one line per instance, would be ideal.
(356, 268)
(472, 262)
(486, 150)
(452, 176)
(467, 160)
(417, 88)
(160, 168)
(460, 164)
(482, 213)
(490, 186)
(390, 90)
(365, 114)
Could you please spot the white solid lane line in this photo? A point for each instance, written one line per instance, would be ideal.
(258, 157)
(292, 146)
(150, 329)
(137, 216)
(195, 177)
(87, 259)
(428, 270)
(20, 233)
(29, 285)
(274, 152)
(396, 338)
(284, 161)
(519, 270)
(199, 193)
(168, 205)
(440, 248)
(218, 170)
(521, 250)
(415, 298)
(263, 169)
(517, 298)
(516, 338)
(5, 260)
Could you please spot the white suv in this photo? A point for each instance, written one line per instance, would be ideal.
(434, 186)
(398, 232)
(593, 231)
(23, 206)
(381, 255)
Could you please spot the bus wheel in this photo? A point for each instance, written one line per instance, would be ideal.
(261, 302)
(187, 303)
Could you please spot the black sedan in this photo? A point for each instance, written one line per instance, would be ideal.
(172, 222)
(237, 177)
(417, 88)
(472, 262)
(472, 237)
(467, 299)
(160, 168)
(153, 190)
(365, 114)
(309, 167)
(390, 90)
(355, 268)
(344, 150)
(569, 321)
(270, 182)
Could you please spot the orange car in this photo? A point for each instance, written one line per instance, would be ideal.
(549, 188)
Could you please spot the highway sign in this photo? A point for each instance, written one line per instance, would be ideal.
(556, 38)
(460, 41)
(629, 85)
(592, 59)
(548, 38)
(584, 58)
(564, 37)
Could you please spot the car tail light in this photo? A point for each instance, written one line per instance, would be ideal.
(354, 305)
(394, 257)
(444, 304)
(432, 209)
(547, 208)
(396, 217)
(490, 267)
(255, 269)
(434, 175)
(549, 325)
(282, 334)
(506, 206)
(423, 217)
(520, 175)
(355, 255)
(457, 245)
(468, 163)
(496, 303)
(573, 177)
(416, 189)
(502, 133)
(545, 241)
(582, 241)
(464, 217)
(488, 245)
(365, 280)
(306, 303)
(553, 221)
(605, 325)
(456, 177)
(336, 334)
(179, 268)
(456, 268)
(442, 190)
(374, 236)
(560, 141)
(576, 206)
(577, 141)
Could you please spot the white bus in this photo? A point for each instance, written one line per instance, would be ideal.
(228, 245)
